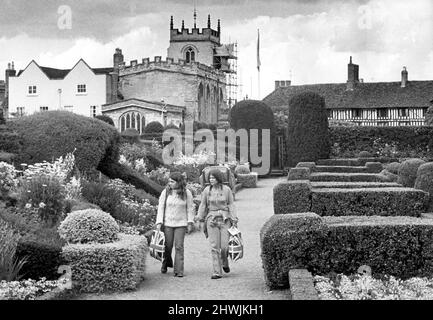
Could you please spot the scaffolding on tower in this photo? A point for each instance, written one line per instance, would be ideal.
(226, 60)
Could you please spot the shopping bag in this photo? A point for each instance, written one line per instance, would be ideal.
(236, 246)
(157, 245)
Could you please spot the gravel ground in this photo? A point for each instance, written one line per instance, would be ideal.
(244, 282)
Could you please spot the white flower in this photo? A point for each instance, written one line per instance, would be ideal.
(42, 205)
(28, 205)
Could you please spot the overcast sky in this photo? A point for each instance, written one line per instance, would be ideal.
(305, 41)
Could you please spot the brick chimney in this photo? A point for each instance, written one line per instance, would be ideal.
(352, 75)
(404, 77)
(117, 60)
(282, 83)
(10, 72)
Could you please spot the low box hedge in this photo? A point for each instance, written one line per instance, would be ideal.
(292, 196)
(369, 202)
(345, 177)
(108, 267)
(299, 173)
(248, 180)
(398, 246)
(355, 184)
(342, 169)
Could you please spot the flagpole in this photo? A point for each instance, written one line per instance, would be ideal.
(258, 81)
(258, 64)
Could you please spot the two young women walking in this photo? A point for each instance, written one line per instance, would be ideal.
(176, 215)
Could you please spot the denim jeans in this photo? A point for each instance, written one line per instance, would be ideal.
(174, 236)
(219, 242)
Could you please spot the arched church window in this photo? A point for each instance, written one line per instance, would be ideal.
(128, 121)
(189, 55)
(133, 120)
(122, 124)
(143, 124)
(139, 123)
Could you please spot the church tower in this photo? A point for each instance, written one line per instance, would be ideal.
(195, 45)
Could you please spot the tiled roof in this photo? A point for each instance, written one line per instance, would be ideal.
(56, 74)
(365, 95)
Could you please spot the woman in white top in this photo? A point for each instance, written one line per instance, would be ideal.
(176, 216)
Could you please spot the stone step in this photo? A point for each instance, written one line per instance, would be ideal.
(345, 177)
(351, 185)
(277, 172)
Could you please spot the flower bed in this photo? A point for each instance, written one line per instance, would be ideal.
(366, 287)
(28, 289)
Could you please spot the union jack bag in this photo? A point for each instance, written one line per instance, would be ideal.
(236, 245)
(157, 245)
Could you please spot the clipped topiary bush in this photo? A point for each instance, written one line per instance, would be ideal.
(242, 169)
(50, 135)
(116, 266)
(308, 137)
(254, 114)
(153, 130)
(369, 201)
(424, 181)
(365, 154)
(130, 135)
(105, 118)
(407, 172)
(387, 176)
(393, 167)
(299, 173)
(292, 197)
(87, 226)
(248, 180)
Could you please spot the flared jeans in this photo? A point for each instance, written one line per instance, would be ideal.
(174, 236)
(218, 235)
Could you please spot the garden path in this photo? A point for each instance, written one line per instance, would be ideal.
(244, 282)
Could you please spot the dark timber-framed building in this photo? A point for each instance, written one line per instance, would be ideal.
(400, 103)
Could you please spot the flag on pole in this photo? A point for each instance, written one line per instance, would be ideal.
(258, 50)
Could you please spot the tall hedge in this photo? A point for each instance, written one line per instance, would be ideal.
(399, 142)
(308, 137)
(254, 114)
